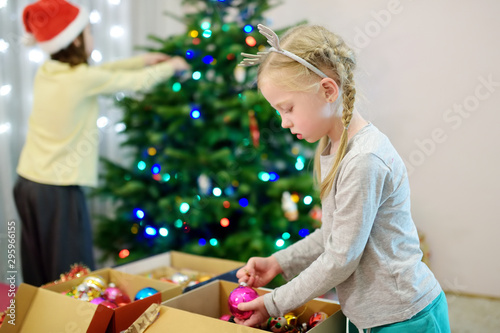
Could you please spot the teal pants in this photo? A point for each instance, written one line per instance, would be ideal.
(432, 319)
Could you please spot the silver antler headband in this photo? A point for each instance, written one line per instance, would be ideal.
(273, 40)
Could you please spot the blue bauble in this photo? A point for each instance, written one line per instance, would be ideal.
(145, 292)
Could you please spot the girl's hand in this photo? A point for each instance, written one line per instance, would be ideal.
(259, 271)
(154, 58)
(259, 315)
(179, 64)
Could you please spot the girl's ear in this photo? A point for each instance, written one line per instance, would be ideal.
(77, 42)
(330, 89)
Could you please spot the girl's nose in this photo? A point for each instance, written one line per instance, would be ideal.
(285, 123)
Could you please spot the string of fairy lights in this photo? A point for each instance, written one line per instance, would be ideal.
(156, 171)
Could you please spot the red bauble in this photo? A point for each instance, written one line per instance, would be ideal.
(109, 304)
(317, 318)
(239, 295)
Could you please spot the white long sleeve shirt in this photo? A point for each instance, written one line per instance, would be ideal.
(367, 247)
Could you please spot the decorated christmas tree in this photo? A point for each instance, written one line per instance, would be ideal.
(213, 173)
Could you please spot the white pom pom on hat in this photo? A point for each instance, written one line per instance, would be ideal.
(53, 24)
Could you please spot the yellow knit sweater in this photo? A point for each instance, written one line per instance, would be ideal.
(62, 141)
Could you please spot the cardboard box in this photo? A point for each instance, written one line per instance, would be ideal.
(175, 320)
(199, 311)
(125, 315)
(197, 268)
(40, 310)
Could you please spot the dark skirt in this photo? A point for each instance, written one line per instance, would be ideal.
(56, 230)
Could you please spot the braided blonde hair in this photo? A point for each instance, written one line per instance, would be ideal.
(328, 52)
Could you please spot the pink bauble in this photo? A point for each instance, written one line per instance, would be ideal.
(115, 295)
(97, 300)
(225, 317)
(239, 295)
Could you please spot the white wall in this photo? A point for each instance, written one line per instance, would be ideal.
(422, 63)
(419, 61)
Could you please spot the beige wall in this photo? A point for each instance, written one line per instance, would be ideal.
(430, 78)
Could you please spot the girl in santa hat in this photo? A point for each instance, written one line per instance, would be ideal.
(61, 150)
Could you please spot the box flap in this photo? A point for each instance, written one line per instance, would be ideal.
(196, 302)
(22, 302)
(40, 310)
(101, 320)
(126, 315)
(175, 320)
(121, 318)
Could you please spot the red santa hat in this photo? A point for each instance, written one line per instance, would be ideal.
(53, 24)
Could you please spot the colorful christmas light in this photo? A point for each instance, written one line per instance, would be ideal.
(150, 231)
(163, 232)
(208, 59)
(264, 176)
(229, 191)
(207, 33)
(205, 25)
(307, 200)
(178, 223)
(176, 87)
(250, 41)
(224, 222)
(151, 151)
(124, 253)
(139, 213)
(299, 164)
(243, 202)
(184, 207)
(273, 176)
(195, 114)
(196, 75)
(155, 169)
(303, 232)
